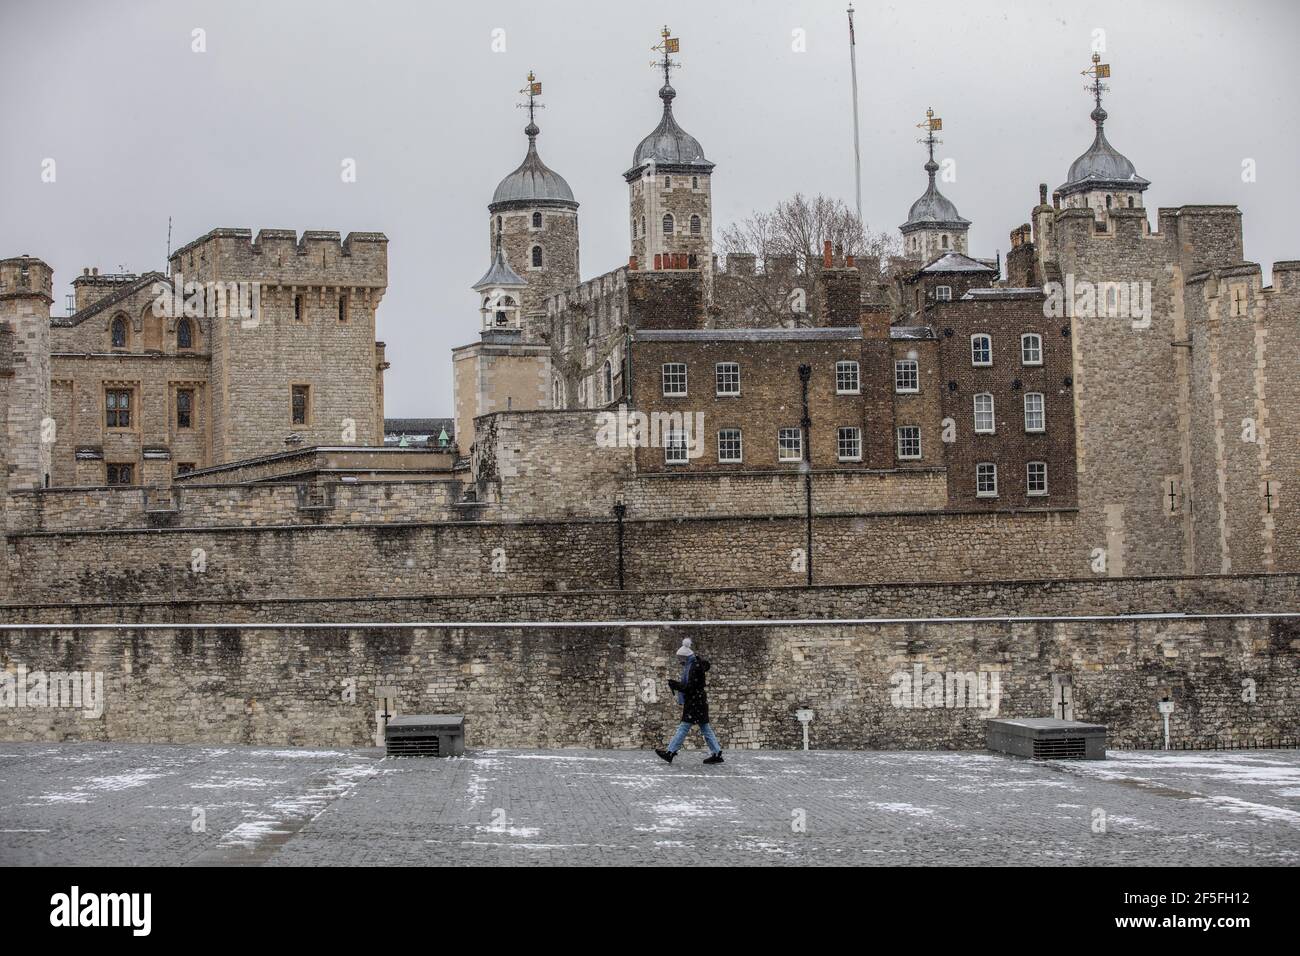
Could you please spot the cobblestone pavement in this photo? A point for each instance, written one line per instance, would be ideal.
(153, 804)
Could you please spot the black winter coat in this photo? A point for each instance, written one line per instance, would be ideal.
(695, 710)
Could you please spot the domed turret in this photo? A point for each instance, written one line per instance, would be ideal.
(933, 227)
(670, 201)
(1103, 177)
(533, 223)
(670, 146)
(533, 183)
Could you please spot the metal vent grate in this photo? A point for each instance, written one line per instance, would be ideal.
(413, 747)
(1060, 748)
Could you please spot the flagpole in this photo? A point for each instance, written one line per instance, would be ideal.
(857, 155)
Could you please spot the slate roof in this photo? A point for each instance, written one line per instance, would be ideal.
(125, 292)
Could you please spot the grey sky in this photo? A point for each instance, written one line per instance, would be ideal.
(252, 132)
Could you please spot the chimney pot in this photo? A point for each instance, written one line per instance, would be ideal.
(826, 254)
(1056, 200)
(1042, 194)
(631, 263)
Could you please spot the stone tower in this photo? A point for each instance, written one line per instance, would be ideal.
(534, 219)
(933, 226)
(670, 190)
(25, 299)
(1102, 178)
(502, 371)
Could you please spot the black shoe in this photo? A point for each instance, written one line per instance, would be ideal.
(714, 758)
(667, 755)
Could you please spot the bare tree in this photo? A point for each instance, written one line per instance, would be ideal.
(797, 229)
(795, 232)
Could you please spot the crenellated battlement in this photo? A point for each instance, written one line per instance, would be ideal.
(281, 257)
(26, 277)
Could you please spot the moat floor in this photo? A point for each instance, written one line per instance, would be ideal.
(90, 804)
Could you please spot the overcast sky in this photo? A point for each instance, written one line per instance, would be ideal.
(252, 132)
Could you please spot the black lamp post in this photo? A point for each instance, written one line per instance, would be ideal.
(620, 512)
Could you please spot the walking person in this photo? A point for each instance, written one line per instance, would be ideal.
(694, 699)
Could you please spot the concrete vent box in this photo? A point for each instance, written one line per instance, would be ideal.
(425, 735)
(1047, 738)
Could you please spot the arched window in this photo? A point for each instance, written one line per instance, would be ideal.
(695, 225)
(945, 242)
(643, 225)
(668, 224)
(1108, 199)
(537, 257)
(607, 382)
(185, 334)
(537, 220)
(118, 332)
(1130, 202)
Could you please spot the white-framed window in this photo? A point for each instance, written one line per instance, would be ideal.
(846, 378)
(1035, 416)
(675, 447)
(909, 441)
(943, 293)
(730, 446)
(981, 349)
(1031, 349)
(984, 420)
(1036, 478)
(907, 376)
(849, 444)
(986, 480)
(727, 375)
(789, 444)
(674, 377)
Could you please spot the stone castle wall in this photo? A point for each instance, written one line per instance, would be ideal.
(605, 685)
(326, 557)
(76, 510)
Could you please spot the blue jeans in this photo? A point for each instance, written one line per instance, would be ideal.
(684, 728)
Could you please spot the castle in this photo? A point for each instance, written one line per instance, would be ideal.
(1116, 405)
(937, 466)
